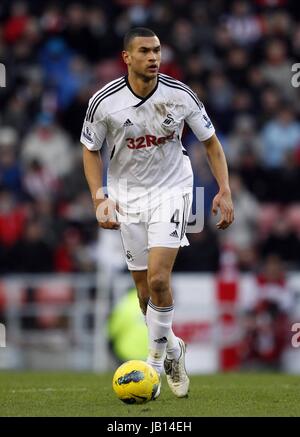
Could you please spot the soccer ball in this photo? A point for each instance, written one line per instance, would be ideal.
(135, 382)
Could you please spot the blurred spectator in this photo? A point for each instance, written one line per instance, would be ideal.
(220, 100)
(276, 68)
(15, 115)
(255, 83)
(39, 182)
(12, 219)
(8, 136)
(33, 243)
(271, 3)
(242, 103)
(265, 336)
(107, 70)
(202, 255)
(282, 241)
(75, 181)
(45, 211)
(222, 40)
(286, 179)
(49, 145)
(52, 20)
(245, 28)
(161, 20)
(183, 38)
(71, 255)
(203, 28)
(242, 234)
(10, 167)
(138, 13)
(99, 46)
(126, 328)
(279, 24)
(65, 72)
(243, 139)
(80, 210)
(270, 103)
(256, 178)
(272, 283)
(237, 66)
(280, 136)
(296, 42)
(169, 65)
(78, 77)
(72, 117)
(10, 171)
(75, 31)
(266, 325)
(15, 25)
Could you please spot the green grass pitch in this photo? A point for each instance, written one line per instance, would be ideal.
(86, 394)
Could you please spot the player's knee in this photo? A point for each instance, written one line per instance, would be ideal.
(158, 283)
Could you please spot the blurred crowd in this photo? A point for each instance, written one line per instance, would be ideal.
(236, 55)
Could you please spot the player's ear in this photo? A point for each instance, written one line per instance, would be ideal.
(125, 56)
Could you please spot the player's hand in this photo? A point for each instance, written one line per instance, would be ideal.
(106, 214)
(223, 202)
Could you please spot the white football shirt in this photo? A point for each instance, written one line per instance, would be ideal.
(147, 159)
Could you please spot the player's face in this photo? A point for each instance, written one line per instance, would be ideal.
(143, 56)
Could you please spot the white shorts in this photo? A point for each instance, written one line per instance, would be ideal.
(162, 226)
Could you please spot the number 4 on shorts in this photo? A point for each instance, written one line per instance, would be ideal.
(175, 218)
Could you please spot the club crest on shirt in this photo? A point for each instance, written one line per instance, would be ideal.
(168, 120)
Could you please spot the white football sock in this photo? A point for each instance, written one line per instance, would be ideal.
(173, 348)
(159, 322)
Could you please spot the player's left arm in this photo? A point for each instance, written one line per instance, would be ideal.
(218, 165)
(201, 125)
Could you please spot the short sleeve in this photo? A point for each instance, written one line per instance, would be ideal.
(93, 133)
(198, 120)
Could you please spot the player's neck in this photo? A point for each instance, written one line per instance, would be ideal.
(139, 86)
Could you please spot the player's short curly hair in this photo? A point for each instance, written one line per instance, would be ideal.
(134, 32)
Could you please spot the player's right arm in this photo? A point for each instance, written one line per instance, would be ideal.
(92, 137)
(105, 208)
